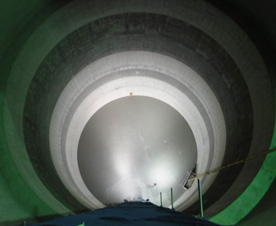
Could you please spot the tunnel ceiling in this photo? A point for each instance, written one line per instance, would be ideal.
(144, 86)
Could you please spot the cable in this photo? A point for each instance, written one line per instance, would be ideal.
(232, 164)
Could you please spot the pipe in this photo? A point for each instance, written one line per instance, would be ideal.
(200, 197)
(172, 197)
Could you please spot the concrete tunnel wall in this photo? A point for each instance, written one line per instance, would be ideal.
(45, 44)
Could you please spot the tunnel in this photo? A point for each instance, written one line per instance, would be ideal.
(111, 100)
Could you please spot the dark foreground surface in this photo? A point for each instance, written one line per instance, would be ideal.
(131, 213)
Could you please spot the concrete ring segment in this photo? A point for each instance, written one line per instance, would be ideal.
(64, 142)
(189, 58)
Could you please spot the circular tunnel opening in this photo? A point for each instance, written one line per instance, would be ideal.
(164, 53)
(134, 148)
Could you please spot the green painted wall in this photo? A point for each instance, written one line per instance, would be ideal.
(18, 201)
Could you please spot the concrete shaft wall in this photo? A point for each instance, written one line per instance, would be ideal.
(213, 62)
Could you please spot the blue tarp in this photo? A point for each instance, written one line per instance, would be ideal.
(130, 213)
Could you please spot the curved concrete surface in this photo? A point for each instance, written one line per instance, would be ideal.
(137, 82)
(66, 62)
